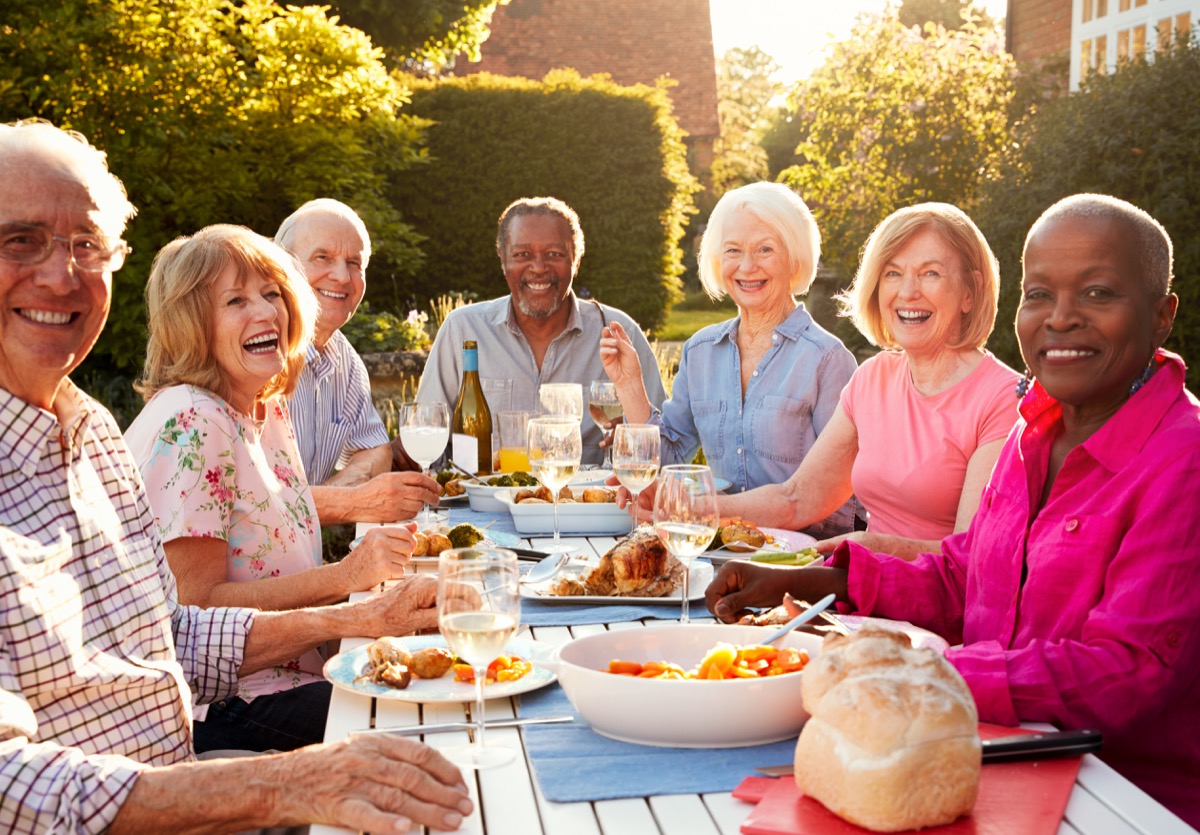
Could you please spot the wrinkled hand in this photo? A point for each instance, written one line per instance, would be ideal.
(619, 357)
(376, 783)
(408, 606)
(391, 497)
(741, 584)
(382, 555)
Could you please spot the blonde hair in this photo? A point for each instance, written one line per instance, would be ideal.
(180, 309)
(860, 302)
(784, 212)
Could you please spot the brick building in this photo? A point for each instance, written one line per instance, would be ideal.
(1095, 35)
(635, 41)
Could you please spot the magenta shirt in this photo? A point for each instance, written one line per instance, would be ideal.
(1104, 631)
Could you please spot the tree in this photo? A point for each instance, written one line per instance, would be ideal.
(421, 34)
(212, 111)
(744, 93)
(951, 14)
(898, 116)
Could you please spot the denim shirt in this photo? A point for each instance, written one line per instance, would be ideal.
(790, 398)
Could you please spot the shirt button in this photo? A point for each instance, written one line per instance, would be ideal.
(1072, 524)
(1173, 638)
(774, 337)
(739, 450)
(755, 374)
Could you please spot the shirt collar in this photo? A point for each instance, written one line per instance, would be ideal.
(797, 322)
(25, 429)
(1125, 433)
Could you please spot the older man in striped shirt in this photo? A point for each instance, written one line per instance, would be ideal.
(98, 661)
(343, 444)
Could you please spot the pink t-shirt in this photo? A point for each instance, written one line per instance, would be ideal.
(913, 450)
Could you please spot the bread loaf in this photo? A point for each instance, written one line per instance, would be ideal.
(893, 742)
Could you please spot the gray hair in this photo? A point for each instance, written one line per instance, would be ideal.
(545, 206)
(784, 212)
(75, 157)
(328, 207)
(1156, 253)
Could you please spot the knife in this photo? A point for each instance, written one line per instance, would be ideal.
(1006, 749)
(421, 730)
(528, 553)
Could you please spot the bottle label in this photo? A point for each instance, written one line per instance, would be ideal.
(470, 359)
(465, 452)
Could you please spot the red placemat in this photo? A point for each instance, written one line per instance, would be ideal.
(1025, 797)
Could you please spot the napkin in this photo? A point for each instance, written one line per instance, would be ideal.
(574, 763)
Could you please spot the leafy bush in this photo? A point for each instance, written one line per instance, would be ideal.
(1134, 134)
(372, 333)
(614, 153)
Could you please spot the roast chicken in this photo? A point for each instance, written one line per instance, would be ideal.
(637, 566)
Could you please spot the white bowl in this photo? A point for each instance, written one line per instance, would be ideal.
(587, 518)
(483, 497)
(681, 714)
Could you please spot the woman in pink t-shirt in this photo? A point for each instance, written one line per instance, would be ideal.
(919, 426)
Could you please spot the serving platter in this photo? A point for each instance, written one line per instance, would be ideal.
(699, 576)
(589, 519)
(345, 668)
(783, 541)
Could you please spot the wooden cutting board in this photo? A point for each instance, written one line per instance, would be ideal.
(1023, 797)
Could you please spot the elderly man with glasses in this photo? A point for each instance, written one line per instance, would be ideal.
(98, 662)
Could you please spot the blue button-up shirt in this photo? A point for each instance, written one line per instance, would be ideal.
(761, 438)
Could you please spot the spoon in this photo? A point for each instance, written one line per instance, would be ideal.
(802, 618)
(546, 568)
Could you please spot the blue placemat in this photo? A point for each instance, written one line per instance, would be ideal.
(573, 763)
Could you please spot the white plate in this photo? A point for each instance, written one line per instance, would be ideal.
(784, 541)
(345, 667)
(587, 518)
(483, 498)
(699, 577)
(448, 501)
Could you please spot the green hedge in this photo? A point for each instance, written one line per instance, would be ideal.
(1135, 135)
(614, 153)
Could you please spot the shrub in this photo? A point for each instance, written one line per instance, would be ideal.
(1134, 134)
(614, 153)
(372, 333)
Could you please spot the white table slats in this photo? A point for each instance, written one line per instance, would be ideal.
(509, 801)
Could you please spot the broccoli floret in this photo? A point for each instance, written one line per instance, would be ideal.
(446, 475)
(501, 481)
(465, 535)
(523, 479)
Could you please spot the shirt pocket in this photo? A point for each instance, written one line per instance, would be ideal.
(1069, 558)
(781, 429)
(710, 416)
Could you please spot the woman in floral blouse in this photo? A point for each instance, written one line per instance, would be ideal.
(229, 321)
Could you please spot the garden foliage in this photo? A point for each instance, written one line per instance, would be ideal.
(1134, 134)
(615, 154)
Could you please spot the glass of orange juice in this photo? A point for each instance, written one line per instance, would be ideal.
(514, 443)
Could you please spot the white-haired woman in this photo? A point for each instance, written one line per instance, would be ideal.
(754, 391)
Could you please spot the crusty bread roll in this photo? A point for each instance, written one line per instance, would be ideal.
(893, 742)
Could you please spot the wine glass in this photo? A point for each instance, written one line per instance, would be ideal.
(685, 515)
(555, 448)
(562, 399)
(635, 456)
(479, 607)
(604, 405)
(424, 432)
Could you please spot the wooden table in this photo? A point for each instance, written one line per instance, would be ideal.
(509, 802)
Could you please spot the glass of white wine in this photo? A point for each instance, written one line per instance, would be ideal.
(635, 455)
(604, 405)
(685, 515)
(479, 608)
(555, 449)
(560, 399)
(424, 432)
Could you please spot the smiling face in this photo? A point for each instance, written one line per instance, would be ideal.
(1088, 322)
(922, 298)
(249, 336)
(51, 312)
(755, 266)
(537, 264)
(332, 253)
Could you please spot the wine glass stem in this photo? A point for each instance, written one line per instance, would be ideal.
(686, 573)
(480, 675)
(633, 498)
(554, 496)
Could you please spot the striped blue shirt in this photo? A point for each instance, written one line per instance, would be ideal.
(331, 409)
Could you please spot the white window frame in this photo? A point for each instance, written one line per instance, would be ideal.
(1118, 21)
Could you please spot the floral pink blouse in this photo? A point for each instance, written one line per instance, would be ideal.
(213, 472)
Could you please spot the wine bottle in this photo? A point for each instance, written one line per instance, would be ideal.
(471, 444)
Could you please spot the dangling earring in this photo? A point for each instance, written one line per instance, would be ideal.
(1024, 383)
(1146, 374)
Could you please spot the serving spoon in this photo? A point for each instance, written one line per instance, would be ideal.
(546, 567)
(802, 618)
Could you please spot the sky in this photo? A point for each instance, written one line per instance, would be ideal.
(793, 32)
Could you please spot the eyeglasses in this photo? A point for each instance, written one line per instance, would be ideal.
(27, 244)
